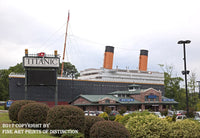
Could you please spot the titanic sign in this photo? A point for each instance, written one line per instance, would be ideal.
(52, 62)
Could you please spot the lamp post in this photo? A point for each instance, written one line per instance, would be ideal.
(185, 72)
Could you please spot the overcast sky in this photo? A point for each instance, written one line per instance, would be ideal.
(128, 25)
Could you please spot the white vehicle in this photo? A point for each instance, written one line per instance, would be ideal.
(127, 112)
(170, 113)
(197, 116)
(159, 114)
(90, 113)
(180, 117)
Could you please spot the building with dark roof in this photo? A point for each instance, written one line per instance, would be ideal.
(133, 99)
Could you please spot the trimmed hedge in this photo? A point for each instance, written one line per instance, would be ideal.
(89, 122)
(108, 129)
(148, 126)
(65, 117)
(33, 113)
(118, 118)
(15, 108)
(104, 115)
(125, 118)
(185, 129)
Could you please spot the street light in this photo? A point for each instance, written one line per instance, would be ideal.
(185, 72)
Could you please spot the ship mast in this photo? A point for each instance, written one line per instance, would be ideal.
(65, 44)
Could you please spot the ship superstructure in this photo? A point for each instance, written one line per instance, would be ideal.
(122, 75)
(107, 73)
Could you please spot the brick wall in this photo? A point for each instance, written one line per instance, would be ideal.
(150, 91)
(103, 101)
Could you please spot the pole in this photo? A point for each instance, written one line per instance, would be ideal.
(65, 44)
(185, 79)
(26, 85)
(56, 91)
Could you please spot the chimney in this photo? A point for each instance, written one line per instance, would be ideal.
(108, 57)
(143, 60)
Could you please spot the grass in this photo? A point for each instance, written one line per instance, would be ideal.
(2, 107)
(4, 119)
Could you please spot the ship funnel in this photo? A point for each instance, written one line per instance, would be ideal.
(108, 57)
(143, 60)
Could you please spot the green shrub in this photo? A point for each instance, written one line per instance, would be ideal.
(185, 129)
(65, 117)
(118, 118)
(174, 117)
(104, 115)
(107, 110)
(148, 126)
(164, 112)
(108, 129)
(168, 118)
(191, 113)
(2, 107)
(122, 110)
(125, 119)
(15, 107)
(5, 107)
(89, 121)
(111, 118)
(33, 113)
(73, 135)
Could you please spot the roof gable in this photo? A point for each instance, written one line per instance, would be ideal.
(151, 90)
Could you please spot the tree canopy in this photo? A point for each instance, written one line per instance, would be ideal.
(174, 90)
(69, 70)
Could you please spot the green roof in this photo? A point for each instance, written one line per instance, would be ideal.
(126, 92)
(97, 98)
(94, 99)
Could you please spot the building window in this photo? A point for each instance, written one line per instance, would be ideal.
(157, 98)
(107, 101)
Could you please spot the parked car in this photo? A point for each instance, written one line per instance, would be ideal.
(114, 113)
(90, 113)
(158, 114)
(86, 113)
(98, 112)
(170, 113)
(180, 112)
(197, 116)
(180, 117)
(127, 112)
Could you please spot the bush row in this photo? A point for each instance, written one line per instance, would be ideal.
(65, 117)
(15, 108)
(152, 126)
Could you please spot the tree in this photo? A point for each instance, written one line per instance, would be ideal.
(4, 84)
(193, 96)
(69, 70)
(172, 86)
(17, 68)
